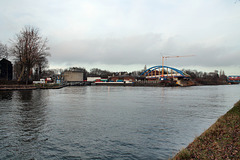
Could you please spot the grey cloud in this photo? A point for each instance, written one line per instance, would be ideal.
(128, 50)
(143, 49)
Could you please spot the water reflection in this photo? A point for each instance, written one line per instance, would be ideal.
(32, 117)
(6, 95)
(28, 119)
(31, 111)
(105, 122)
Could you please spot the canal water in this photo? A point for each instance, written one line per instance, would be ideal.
(106, 122)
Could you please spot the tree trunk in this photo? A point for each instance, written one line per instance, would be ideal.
(40, 72)
(28, 74)
(20, 77)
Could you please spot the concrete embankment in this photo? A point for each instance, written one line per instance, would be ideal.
(150, 84)
(49, 86)
(220, 141)
(28, 87)
(16, 87)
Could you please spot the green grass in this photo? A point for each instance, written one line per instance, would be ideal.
(220, 141)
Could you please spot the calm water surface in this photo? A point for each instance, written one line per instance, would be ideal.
(101, 122)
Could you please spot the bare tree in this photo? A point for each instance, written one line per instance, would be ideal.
(40, 66)
(3, 51)
(30, 50)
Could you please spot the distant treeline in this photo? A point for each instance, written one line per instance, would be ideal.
(211, 78)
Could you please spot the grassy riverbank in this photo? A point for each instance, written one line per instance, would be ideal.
(220, 141)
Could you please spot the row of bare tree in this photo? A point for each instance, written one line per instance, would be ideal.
(207, 78)
(94, 72)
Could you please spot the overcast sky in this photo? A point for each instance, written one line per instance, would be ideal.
(125, 35)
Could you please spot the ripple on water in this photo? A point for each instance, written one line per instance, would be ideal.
(101, 122)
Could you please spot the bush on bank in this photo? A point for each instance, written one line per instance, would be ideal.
(220, 141)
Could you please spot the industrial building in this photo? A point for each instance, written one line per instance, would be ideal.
(73, 76)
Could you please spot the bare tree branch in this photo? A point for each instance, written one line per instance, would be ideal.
(30, 50)
(3, 51)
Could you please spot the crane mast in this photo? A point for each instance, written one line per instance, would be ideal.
(171, 57)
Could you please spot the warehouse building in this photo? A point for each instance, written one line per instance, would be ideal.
(73, 76)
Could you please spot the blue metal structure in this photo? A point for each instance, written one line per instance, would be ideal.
(147, 71)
